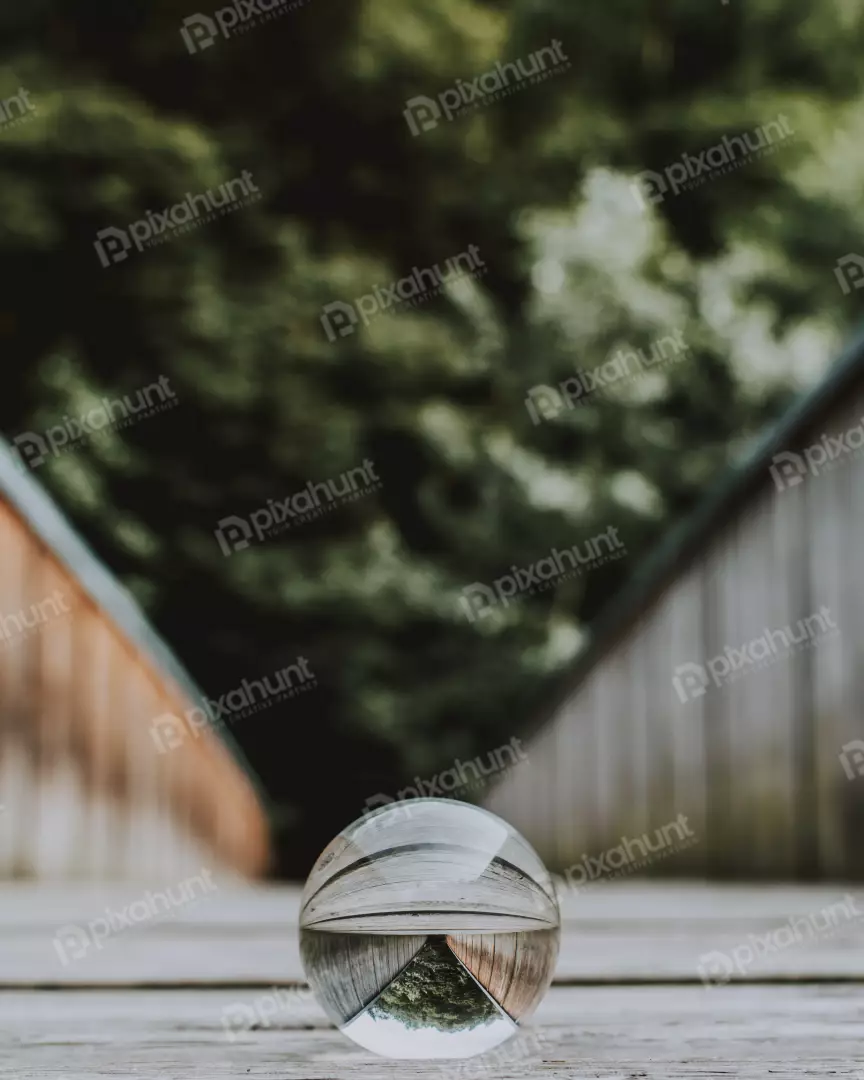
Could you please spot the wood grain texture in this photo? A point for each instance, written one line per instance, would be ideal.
(633, 931)
(78, 700)
(348, 971)
(430, 866)
(753, 755)
(516, 969)
(429, 890)
(269, 1030)
(636, 1033)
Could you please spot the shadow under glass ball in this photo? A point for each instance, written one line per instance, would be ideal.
(429, 929)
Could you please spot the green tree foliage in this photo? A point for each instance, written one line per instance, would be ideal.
(435, 991)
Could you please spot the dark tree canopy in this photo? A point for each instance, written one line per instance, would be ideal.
(435, 991)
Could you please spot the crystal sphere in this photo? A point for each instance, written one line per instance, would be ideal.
(429, 929)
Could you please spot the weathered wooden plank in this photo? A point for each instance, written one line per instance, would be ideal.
(623, 932)
(521, 792)
(17, 771)
(719, 610)
(349, 970)
(834, 555)
(429, 870)
(653, 1033)
(515, 969)
(626, 760)
(773, 707)
(575, 757)
(686, 716)
(236, 908)
(657, 690)
(778, 699)
(60, 805)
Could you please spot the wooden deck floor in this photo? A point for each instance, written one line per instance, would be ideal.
(216, 990)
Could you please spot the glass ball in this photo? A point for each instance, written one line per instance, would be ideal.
(429, 929)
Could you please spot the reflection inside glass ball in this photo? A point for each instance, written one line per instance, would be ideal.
(429, 929)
